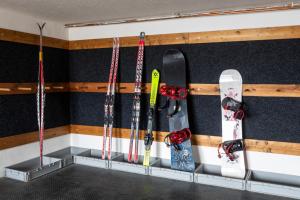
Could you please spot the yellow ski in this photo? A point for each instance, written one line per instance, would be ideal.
(149, 136)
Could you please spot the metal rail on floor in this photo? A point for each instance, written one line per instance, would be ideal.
(255, 181)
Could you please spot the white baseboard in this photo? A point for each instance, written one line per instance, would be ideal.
(268, 162)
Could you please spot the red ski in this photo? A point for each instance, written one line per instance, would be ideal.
(136, 107)
(110, 99)
(41, 95)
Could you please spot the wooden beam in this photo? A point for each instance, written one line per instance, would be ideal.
(198, 140)
(271, 33)
(28, 38)
(260, 90)
(25, 138)
(30, 88)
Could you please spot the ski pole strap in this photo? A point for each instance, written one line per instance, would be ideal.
(175, 93)
(237, 107)
(231, 146)
(175, 138)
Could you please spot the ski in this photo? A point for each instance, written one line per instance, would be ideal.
(179, 139)
(148, 139)
(231, 150)
(41, 95)
(135, 119)
(109, 101)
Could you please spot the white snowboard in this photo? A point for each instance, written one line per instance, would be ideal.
(231, 84)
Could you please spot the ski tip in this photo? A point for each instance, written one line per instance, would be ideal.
(41, 26)
(142, 35)
(155, 73)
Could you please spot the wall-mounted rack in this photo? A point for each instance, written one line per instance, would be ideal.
(31, 88)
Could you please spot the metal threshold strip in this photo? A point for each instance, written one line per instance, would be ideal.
(278, 7)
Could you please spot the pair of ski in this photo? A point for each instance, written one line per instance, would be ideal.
(136, 106)
(109, 101)
(40, 95)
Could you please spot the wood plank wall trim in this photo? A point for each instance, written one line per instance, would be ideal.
(31, 88)
(271, 33)
(199, 140)
(262, 90)
(259, 90)
(28, 38)
(25, 138)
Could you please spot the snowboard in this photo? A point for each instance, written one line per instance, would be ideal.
(232, 162)
(174, 73)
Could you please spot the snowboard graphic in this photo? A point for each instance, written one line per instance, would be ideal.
(174, 74)
(231, 151)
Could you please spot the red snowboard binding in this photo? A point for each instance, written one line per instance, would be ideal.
(173, 94)
(237, 107)
(229, 147)
(177, 137)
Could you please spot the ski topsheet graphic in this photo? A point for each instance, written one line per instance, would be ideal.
(110, 99)
(40, 95)
(149, 136)
(174, 75)
(136, 106)
(231, 150)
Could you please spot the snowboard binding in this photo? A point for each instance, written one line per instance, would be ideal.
(174, 95)
(237, 107)
(231, 146)
(175, 138)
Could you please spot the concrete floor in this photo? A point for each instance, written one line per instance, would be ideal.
(86, 183)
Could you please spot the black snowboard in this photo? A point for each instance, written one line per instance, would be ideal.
(174, 74)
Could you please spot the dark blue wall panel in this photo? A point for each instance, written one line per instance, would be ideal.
(260, 62)
(19, 63)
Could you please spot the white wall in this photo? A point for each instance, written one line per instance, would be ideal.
(25, 23)
(198, 24)
(269, 162)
